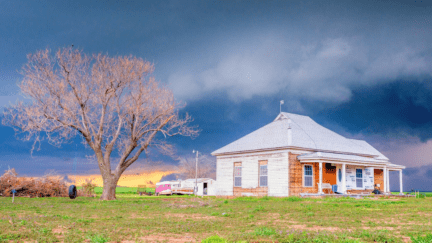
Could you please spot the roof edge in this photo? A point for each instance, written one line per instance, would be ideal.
(293, 147)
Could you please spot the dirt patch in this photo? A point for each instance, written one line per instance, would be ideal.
(59, 230)
(314, 228)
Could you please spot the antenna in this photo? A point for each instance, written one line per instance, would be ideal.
(280, 106)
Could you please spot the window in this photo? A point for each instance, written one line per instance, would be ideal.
(263, 174)
(237, 175)
(340, 175)
(359, 178)
(308, 176)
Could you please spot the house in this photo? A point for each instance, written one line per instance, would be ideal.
(294, 155)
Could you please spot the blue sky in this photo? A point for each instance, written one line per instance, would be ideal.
(362, 69)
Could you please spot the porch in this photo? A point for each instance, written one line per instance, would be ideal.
(350, 174)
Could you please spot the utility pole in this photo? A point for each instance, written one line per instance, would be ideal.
(196, 172)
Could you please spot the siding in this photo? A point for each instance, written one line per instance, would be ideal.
(296, 177)
(224, 176)
(278, 175)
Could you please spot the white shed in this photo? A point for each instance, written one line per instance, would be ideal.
(206, 186)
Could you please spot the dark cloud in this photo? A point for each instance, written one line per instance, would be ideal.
(170, 177)
(394, 110)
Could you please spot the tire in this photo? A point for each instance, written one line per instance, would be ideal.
(72, 192)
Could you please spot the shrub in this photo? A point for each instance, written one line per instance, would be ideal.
(88, 189)
(51, 185)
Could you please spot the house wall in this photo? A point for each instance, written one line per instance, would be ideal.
(329, 174)
(277, 166)
(296, 177)
(379, 178)
(224, 176)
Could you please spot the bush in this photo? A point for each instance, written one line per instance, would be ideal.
(50, 185)
(88, 189)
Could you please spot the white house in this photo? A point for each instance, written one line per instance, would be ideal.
(293, 155)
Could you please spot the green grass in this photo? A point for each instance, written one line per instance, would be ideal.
(211, 219)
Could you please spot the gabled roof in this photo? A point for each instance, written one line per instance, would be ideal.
(306, 134)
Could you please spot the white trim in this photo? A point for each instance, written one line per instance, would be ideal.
(303, 176)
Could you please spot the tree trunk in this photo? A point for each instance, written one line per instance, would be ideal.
(109, 188)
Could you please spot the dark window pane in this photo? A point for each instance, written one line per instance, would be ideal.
(237, 181)
(263, 180)
(308, 170)
(308, 181)
(263, 170)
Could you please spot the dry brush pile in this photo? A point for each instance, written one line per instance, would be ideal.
(47, 186)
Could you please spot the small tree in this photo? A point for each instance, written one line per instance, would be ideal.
(206, 167)
(113, 103)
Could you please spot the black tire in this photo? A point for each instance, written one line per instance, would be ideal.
(72, 192)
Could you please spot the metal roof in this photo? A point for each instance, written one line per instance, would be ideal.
(306, 133)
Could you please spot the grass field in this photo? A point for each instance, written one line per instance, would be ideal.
(193, 219)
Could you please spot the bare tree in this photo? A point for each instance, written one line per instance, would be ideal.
(113, 103)
(206, 167)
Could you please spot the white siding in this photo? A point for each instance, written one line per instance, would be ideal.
(278, 175)
(250, 172)
(224, 176)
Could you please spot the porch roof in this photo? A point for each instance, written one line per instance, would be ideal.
(345, 158)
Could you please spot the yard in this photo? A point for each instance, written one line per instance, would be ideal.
(134, 218)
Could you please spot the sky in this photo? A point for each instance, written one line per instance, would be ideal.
(360, 68)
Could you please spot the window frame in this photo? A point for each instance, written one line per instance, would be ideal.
(262, 163)
(304, 176)
(237, 165)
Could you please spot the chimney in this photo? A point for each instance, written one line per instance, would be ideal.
(289, 133)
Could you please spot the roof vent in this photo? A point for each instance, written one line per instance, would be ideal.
(289, 133)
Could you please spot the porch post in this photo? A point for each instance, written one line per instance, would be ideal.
(388, 181)
(343, 179)
(320, 179)
(385, 180)
(400, 183)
